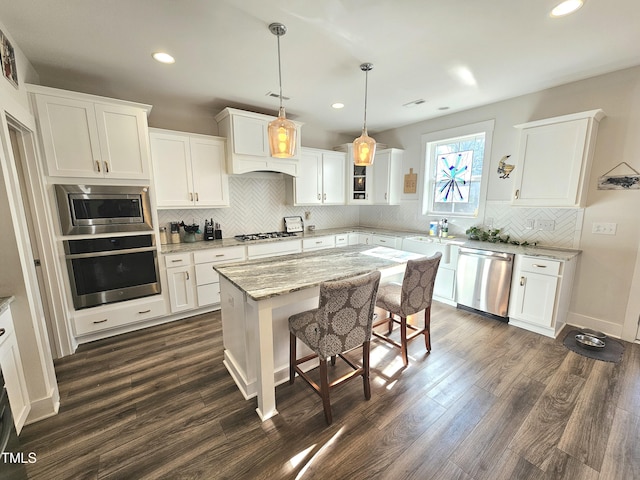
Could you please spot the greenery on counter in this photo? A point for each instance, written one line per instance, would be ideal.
(492, 235)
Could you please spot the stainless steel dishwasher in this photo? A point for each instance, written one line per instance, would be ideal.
(484, 281)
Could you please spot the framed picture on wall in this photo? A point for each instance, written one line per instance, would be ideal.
(8, 60)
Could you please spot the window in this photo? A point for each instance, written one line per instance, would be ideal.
(454, 162)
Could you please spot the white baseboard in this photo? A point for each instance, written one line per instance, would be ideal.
(582, 321)
(44, 407)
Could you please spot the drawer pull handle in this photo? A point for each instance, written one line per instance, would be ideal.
(537, 265)
(100, 321)
(2, 331)
(318, 243)
(144, 311)
(220, 255)
(522, 281)
(176, 261)
(98, 166)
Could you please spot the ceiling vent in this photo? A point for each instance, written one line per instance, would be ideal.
(415, 103)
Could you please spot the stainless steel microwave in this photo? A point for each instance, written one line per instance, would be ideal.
(87, 209)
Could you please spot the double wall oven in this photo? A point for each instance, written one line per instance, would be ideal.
(107, 268)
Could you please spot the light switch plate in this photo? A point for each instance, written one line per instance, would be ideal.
(601, 228)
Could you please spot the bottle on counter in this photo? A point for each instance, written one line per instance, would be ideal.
(445, 228)
(175, 232)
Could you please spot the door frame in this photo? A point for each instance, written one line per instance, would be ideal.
(631, 326)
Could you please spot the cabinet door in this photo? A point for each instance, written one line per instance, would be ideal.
(69, 137)
(210, 180)
(551, 158)
(171, 159)
(308, 183)
(360, 183)
(11, 366)
(381, 178)
(122, 132)
(181, 284)
(333, 174)
(535, 298)
(250, 136)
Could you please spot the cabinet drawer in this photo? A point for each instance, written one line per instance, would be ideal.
(272, 249)
(119, 314)
(219, 255)
(391, 242)
(206, 274)
(208, 294)
(342, 240)
(177, 259)
(540, 265)
(318, 243)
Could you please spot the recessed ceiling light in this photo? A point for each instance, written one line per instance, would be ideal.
(337, 105)
(566, 7)
(163, 57)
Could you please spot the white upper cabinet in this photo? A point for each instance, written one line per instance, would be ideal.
(248, 143)
(85, 136)
(378, 184)
(387, 171)
(189, 170)
(320, 180)
(554, 160)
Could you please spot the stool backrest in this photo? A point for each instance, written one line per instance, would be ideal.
(346, 313)
(417, 285)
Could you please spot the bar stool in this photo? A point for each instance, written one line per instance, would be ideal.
(413, 296)
(341, 323)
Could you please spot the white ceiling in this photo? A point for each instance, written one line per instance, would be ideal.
(226, 55)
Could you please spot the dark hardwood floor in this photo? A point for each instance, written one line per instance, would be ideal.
(491, 401)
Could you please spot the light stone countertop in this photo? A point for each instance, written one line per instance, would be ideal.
(264, 278)
(563, 254)
(5, 302)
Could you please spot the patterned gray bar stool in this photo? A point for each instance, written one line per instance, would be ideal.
(341, 323)
(413, 296)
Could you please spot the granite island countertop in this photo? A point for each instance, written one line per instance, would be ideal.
(264, 278)
(5, 302)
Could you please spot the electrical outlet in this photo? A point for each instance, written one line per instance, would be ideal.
(603, 228)
(546, 225)
(529, 224)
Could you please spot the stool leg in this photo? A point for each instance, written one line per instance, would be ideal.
(427, 328)
(324, 390)
(292, 358)
(365, 369)
(403, 340)
(390, 323)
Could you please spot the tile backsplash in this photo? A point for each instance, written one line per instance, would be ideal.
(258, 204)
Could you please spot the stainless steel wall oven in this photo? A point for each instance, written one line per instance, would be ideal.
(86, 209)
(112, 269)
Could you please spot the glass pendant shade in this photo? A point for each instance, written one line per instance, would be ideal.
(364, 147)
(282, 136)
(364, 150)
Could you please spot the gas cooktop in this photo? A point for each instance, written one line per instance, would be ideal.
(263, 236)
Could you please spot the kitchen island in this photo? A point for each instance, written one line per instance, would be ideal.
(258, 296)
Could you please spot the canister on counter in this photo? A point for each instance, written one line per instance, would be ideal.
(433, 229)
(175, 232)
(164, 239)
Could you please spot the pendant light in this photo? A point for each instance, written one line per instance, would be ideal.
(282, 132)
(364, 147)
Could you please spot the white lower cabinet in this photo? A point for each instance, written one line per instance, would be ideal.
(386, 241)
(318, 243)
(95, 320)
(540, 294)
(364, 238)
(207, 279)
(180, 282)
(12, 371)
(444, 288)
(273, 249)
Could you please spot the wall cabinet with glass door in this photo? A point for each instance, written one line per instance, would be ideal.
(321, 179)
(377, 184)
(85, 136)
(189, 170)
